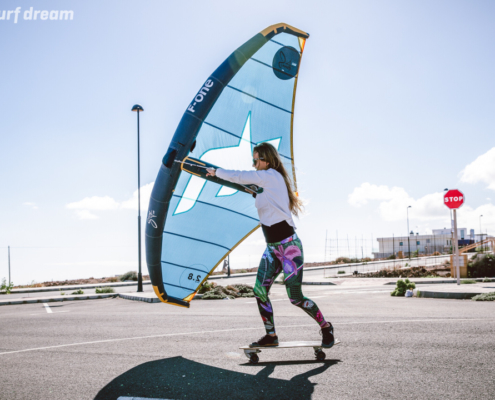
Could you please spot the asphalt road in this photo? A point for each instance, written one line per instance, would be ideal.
(392, 348)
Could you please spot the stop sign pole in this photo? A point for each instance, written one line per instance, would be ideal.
(454, 199)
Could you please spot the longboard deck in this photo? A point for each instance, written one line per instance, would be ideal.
(288, 345)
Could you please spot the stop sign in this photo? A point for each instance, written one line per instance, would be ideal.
(453, 198)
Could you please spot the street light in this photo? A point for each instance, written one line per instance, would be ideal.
(137, 108)
(408, 234)
(481, 235)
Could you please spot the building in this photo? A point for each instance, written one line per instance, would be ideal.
(440, 241)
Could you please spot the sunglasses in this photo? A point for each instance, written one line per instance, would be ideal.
(255, 160)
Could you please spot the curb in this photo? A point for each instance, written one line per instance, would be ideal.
(446, 295)
(75, 287)
(438, 281)
(51, 300)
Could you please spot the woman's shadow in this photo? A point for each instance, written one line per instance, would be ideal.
(179, 378)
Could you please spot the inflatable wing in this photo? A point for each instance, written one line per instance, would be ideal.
(193, 223)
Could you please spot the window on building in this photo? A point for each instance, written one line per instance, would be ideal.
(428, 240)
(417, 243)
(401, 243)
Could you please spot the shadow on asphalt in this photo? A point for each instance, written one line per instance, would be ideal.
(180, 378)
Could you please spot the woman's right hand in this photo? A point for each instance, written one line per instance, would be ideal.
(211, 172)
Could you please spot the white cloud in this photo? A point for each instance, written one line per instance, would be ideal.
(30, 204)
(481, 170)
(106, 203)
(132, 203)
(393, 203)
(85, 214)
(94, 203)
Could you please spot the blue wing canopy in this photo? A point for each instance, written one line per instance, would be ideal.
(193, 224)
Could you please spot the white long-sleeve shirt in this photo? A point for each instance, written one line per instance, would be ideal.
(273, 203)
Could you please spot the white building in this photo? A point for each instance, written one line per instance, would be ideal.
(440, 240)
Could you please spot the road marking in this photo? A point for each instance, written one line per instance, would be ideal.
(138, 398)
(406, 321)
(47, 308)
(56, 312)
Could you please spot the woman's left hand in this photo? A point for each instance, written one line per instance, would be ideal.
(211, 172)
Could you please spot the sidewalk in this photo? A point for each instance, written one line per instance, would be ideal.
(442, 288)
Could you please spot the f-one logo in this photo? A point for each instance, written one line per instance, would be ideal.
(201, 95)
(151, 221)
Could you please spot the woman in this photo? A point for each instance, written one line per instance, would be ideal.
(284, 251)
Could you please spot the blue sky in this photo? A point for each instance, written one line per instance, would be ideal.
(395, 102)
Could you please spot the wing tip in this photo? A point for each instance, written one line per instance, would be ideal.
(275, 29)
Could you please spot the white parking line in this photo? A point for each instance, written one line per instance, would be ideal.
(56, 312)
(47, 308)
(138, 398)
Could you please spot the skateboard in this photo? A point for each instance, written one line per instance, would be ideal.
(251, 352)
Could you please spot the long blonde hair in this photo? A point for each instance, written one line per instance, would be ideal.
(270, 154)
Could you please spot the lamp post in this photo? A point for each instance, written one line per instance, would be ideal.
(137, 108)
(481, 236)
(408, 234)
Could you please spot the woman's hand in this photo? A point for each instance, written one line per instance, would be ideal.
(211, 172)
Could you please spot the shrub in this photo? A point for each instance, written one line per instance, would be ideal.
(482, 266)
(80, 291)
(129, 276)
(341, 272)
(6, 288)
(484, 297)
(217, 292)
(111, 279)
(467, 281)
(207, 286)
(402, 287)
(392, 257)
(99, 290)
(436, 253)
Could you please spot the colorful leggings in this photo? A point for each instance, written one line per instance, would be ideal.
(288, 256)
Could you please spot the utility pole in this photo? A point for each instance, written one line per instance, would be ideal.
(9, 267)
(408, 234)
(137, 108)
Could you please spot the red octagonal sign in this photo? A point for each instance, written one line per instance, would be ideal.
(453, 198)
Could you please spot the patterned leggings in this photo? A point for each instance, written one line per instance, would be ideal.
(288, 256)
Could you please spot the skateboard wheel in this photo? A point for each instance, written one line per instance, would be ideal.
(320, 356)
(253, 359)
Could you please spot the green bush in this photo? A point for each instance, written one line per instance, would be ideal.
(482, 266)
(207, 286)
(217, 292)
(484, 297)
(392, 257)
(129, 276)
(99, 290)
(402, 287)
(6, 288)
(80, 291)
(341, 272)
(467, 281)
